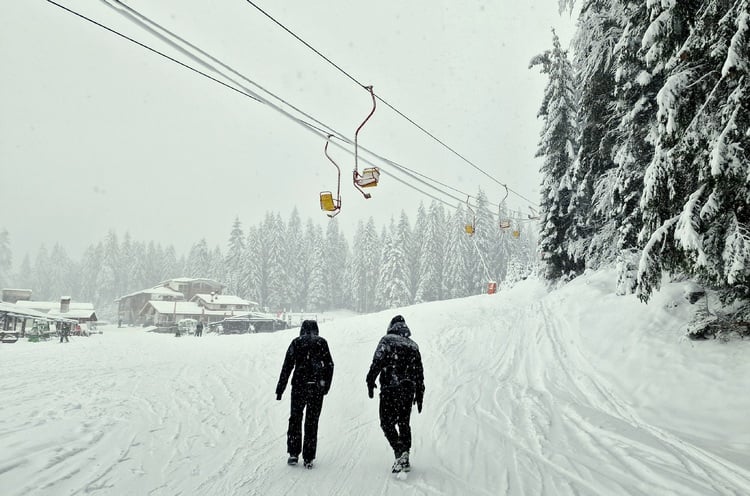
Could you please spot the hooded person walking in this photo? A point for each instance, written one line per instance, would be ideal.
(398, 363)
(308, 355)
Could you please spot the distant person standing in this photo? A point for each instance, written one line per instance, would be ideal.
(398, 363)
(64, 332)
(199, 328)
(308, 355)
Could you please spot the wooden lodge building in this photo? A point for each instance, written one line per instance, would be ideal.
(175, 299)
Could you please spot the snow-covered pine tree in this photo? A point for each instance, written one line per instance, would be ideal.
(336, 259)
(317, 292)
(695, 202)
(393, 290)
(24, 277)
(91, 261)
(294, 260)
(61, 273)
(199, 260)
(599, 28)
(140, 275)
(217, 269)
(250, 270)
(432, 255)
(233, 261)
(40, 275)
(460, 256)
(419, 233)
(492, 265)
(635, 111)
(364, 266)
(108, 280)
(410, 247)
(274, 273)
(558, 146)
(170, 266)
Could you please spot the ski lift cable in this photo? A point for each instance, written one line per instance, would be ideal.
(172, 38)
(143, 45)
(322, 130)
(411, 121)
(165, 34)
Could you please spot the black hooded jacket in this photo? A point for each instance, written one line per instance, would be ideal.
(397, 361)
(311, 360)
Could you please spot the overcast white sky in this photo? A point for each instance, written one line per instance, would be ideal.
(97, 133)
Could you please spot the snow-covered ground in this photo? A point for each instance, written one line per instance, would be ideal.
(576, 391)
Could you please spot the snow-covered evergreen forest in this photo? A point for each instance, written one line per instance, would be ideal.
(297, 265)
(646, 144)
(645, 150)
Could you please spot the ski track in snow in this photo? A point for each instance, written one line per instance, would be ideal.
(513, 407)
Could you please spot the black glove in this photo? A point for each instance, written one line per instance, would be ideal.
(418, 402)
(370, 389)
(278, 396)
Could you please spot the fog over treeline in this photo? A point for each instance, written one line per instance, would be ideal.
(298, 265)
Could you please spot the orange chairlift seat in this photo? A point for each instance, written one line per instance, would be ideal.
(371, 175)
(327, 202)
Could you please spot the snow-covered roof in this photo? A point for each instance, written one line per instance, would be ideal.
(74, 314)
(220, 299)
(53, 305)
(190, 279)
(13, 309)
(182, 308)
(161, 290)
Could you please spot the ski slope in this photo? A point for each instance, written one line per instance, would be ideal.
(528, 392)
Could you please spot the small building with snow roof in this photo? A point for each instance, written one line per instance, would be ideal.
(65, 309)
(181, 289)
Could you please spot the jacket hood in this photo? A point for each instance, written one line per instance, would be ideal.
(308, 328)
(399, 328)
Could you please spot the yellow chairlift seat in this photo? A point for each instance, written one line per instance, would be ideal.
(327, 202)
(516, 233)
(469, 228)
(369, 177)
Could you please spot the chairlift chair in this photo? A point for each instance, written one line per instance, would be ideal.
(504, 223)
(327, 202)
(470, 228)
(371, 175)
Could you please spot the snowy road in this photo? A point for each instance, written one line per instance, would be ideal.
(516, 403)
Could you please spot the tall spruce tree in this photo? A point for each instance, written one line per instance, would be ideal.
(432, 255)
(233, 261)
(599, 29)
(336, 257)
(364, 266)
(294, 261)
(198, 262)
(634, 110)
(393, 289)
(317, 292)
(558, 146)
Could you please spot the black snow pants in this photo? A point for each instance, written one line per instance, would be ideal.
(310, 402)
(395, 410)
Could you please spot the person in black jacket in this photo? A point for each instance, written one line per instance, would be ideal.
(399, 364)
(311, 360)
